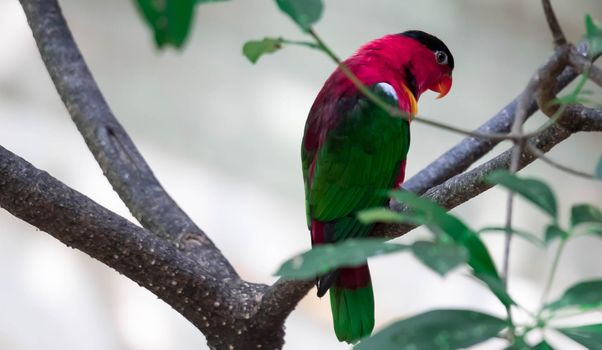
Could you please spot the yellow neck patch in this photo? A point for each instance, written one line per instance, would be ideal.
(411, 99)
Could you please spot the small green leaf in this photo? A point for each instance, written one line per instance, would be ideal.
(384, 215)
(593, 33)
(303, 12)
(585, 213)
(327, 257)
(598, 172)
(535, 191)
(553, 232)
(583, 296)
(170, 20)
(440, 257)
(589, 336)
(587, 217)
(529, 237)
(438, 329)
(543, 345)
(254, 49)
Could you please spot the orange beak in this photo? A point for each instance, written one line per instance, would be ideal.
(443, 86)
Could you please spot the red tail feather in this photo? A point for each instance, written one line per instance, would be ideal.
(353, 277)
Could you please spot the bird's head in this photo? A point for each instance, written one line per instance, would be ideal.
(416, 59)
(431, 60)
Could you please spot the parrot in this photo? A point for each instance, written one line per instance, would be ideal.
(353, 151)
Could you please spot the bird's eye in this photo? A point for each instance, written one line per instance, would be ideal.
(441, 57)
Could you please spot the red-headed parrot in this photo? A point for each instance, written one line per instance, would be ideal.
(353, 151)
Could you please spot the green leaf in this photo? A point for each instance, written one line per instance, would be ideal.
(447, 225)
(553, 232)
(583, 296)
(384, 215)
(440, 257)
(441, 222)
(496, 285)
(535, 191)
(598, 172)
(593, 33)
(543, 345)
(438, 329)
(327, 257)
(585, 213)
(254, 49)
(303, 12)
(170, 20)
(589, 336)
(588, 217)
(529, 237)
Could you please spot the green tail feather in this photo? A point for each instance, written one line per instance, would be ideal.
(352, 312)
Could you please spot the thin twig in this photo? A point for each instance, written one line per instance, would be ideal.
(550, 281)
(557, 34)
(300, 43)
(544, 79)
(559, 166)
(517, 150)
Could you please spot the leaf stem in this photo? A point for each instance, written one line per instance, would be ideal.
(299, 43)
(548, 286)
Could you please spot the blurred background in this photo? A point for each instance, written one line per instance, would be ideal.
(223, 137)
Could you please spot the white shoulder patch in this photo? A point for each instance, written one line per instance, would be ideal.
(388, 89)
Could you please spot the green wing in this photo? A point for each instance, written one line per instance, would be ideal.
(356, 164)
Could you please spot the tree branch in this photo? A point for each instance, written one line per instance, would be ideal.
(220, 307)
(120, 160)
(541, 156)
(557, 34)
(583, 65)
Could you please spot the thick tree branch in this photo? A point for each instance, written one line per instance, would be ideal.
(219, 307)
(282, 298)
(122, 164)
